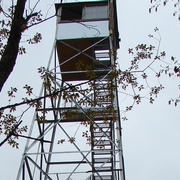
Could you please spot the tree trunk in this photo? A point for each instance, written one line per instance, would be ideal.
(9, 56)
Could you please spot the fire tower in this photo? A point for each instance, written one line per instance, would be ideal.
(76, 132)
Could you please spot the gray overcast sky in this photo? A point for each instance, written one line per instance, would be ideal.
(151, 135)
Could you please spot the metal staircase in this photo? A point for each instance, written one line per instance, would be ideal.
(102, 153)
(101, 134)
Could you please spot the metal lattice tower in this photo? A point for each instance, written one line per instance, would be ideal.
(76, 134)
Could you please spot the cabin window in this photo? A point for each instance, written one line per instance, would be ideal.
(71, 13)
(95, 12)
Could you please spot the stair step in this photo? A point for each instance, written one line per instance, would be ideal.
(103, 169)
(102, 160)
(101, 125)
(101, 134)
(103, 115)
(104, 177)
(101, 82)
(102, 152)
(103, 102)
(102, 143)
(103, 96)
(103, 88)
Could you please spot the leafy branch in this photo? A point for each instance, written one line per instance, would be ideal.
(158, 3)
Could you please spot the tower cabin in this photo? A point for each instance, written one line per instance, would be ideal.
(83, 37)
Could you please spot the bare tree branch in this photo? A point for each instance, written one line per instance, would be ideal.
(9, 56)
